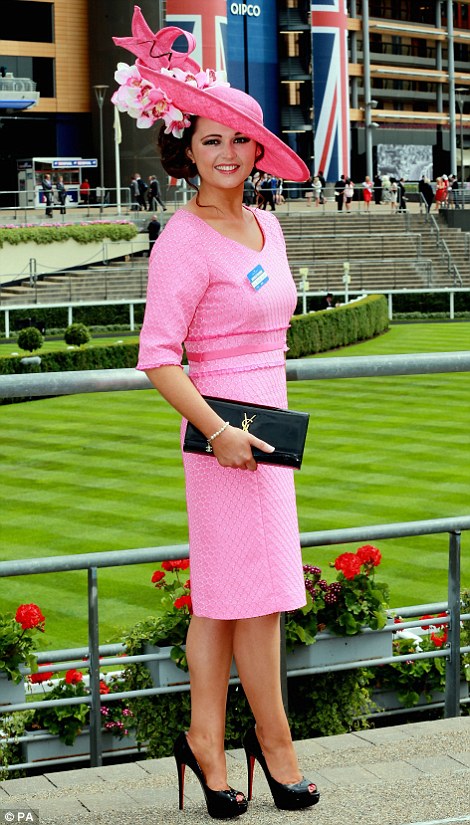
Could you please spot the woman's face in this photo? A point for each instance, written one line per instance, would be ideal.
(224, 157)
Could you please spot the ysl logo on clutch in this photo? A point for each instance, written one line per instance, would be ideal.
(246, 422)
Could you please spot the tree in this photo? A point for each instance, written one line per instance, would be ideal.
(30, 339)
(77, 334)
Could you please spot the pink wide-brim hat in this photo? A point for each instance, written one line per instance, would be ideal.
(220, 103)
(237, 110)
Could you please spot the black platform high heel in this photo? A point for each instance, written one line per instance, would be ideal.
(220, 804)
(293, 797)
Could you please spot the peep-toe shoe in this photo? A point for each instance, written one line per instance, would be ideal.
(291, 797)
(220, 804)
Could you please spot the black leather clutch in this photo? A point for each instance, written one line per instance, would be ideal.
(286, 430)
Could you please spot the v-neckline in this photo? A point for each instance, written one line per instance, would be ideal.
(232, 240)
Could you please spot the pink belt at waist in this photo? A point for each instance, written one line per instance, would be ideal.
(244, 349)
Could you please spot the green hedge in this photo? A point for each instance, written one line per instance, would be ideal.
(332, 328)
(113, 357)
(82, 233)
(318, 332)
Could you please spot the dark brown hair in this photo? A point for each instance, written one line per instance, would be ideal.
(173, 153)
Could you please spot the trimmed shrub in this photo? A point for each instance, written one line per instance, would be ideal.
(30, 339)
(332, 328)
(76, 335)
(81, 233)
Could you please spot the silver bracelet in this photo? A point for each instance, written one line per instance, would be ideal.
(214, 435)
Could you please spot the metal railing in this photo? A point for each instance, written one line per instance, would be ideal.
(442, 246)
(38, 385)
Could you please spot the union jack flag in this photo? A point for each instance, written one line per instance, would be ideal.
(208, 25)
(330, 87)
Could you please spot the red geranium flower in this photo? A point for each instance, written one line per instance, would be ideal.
(368, 554)
(104, 688)
(349, 564)
(426, 616)
(187, 584)
(38, 678)
(29, 616)
(73, 677)
(157, 576)
(439, 639)
(184, 601)
(179, 564)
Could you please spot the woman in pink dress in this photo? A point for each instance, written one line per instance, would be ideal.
(220, 284)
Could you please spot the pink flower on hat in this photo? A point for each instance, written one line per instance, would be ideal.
(141, 98)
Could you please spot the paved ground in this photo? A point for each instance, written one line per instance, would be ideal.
(415, 774)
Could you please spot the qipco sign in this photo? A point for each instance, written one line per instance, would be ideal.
(247, 9)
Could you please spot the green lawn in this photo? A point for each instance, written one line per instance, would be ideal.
(103, 472)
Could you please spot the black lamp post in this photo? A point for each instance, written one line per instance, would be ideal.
(460, 103)
(100, 92)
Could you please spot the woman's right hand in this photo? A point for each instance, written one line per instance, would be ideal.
(232, 448)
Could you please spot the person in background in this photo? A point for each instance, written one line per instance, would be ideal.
(308, 191)
(135, 194)
(377, 190)
(153, 228)
(249, 192)
(367, 192)
(220, 284)
(348, 194)
(267, 194)
(85, 192)
(47, 194)
(441, 194)
(61, 194)
(401, 195)
(393, 196)
(279, 198)
(453, 192)
(322, 180)
(153, 194)
(427, 193)
(317, 190)
(339, 192)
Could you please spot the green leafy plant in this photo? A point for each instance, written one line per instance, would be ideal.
(67, 721)
(343, 607)
(12, 727)
(81, 233)
(414, 679)
(30, 339)
(18, 640)
(465, 633)
(170, 626)
(77, 334)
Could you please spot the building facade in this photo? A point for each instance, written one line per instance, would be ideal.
(354, 86)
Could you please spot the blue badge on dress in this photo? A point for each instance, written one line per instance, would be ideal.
(257, 277)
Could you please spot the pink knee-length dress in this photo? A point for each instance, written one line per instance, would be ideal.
(230, 306)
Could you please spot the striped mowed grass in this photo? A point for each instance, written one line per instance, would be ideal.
(103, 472)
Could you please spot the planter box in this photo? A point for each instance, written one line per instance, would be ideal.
(14, 258)
(39, 749)
(388, 699)
(332, 650)
(164, 672)
(10, 692)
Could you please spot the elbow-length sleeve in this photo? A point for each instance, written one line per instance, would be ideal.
(178, 278)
